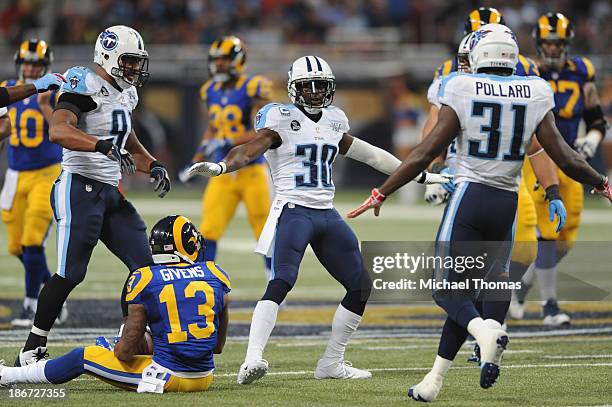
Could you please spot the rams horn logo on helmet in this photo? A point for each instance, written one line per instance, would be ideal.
(109, 40)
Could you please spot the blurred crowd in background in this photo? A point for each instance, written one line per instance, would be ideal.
(389, 112)
(296, 21)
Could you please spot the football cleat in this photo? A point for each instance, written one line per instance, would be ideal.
(475, 357)
(3, 385)
(25, 318)
(427, 390)
(553, 315)
(340, 370)
(251, 371)
(492, 346)
(517, 307)
(31, 356)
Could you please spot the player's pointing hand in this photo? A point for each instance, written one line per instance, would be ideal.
(375, 201)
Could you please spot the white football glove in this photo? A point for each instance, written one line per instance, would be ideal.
(206, 169)
(435, 194)
(184, 175)
(587, 145)
(432, 178)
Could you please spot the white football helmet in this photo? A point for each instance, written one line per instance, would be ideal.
(463, 54)
(311, 84)
(120, 52)
(493, 46)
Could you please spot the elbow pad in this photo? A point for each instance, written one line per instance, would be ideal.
(595, 119)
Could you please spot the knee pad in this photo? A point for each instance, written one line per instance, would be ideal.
(276, 291)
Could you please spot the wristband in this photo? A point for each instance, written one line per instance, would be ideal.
(437, 168)
(103, 146)
(602, 184)
(552, 193)
(156, 164)
(223, 167)
(422, 178)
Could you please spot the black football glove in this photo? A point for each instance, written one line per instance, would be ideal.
(123, 157)
(160, 178)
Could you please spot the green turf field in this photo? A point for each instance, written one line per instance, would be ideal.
(539, 371)
(569, 371)
(415, 223)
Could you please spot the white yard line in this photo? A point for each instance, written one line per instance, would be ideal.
(578, 357)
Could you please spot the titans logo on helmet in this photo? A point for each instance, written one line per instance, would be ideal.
(74, 81)
(109, 40)
(478, 35)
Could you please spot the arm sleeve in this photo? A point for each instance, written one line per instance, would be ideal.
(373, 156)
(76, 103)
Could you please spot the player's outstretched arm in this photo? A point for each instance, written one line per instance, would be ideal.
(238, 156)
(5, 127)
(223, 324)
(12, 94)
(568, 160)
(543, 166)
(131, 340)
(595, 121)
(441, 136)
(382, 160)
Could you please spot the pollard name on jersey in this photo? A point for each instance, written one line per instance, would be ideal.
(498, 115)
(110, 120)
(301, 166)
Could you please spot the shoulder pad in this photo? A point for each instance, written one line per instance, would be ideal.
(137, 282)
(204, 90)
(221, 275)
(445, 80)
(76, 81)
(259, 87)
(526, 67)
(585, 67)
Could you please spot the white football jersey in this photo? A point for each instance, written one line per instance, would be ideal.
(432, 97)
(498, 116)
(301, 166)
(110, 120)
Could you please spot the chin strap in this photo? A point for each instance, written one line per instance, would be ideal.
(312, 110)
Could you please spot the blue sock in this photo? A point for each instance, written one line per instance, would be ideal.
(67, 367)
(460, 311)
(211, 250)
(36, 270)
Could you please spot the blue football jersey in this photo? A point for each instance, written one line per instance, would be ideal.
(29, 144)
(183, 303)
(568, 87)
(229, 110)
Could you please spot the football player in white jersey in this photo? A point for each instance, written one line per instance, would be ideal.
(494, 114)
(300, 141)
(93, 122)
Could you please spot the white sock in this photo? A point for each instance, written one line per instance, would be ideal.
(34, 373)
(441, 366)
(344, 324)
(547, 280)
(262, 323)
(476, 327)
(30, 303)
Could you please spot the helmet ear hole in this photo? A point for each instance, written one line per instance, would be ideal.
(106, 56)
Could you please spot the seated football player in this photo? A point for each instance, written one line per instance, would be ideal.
(184, 302)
